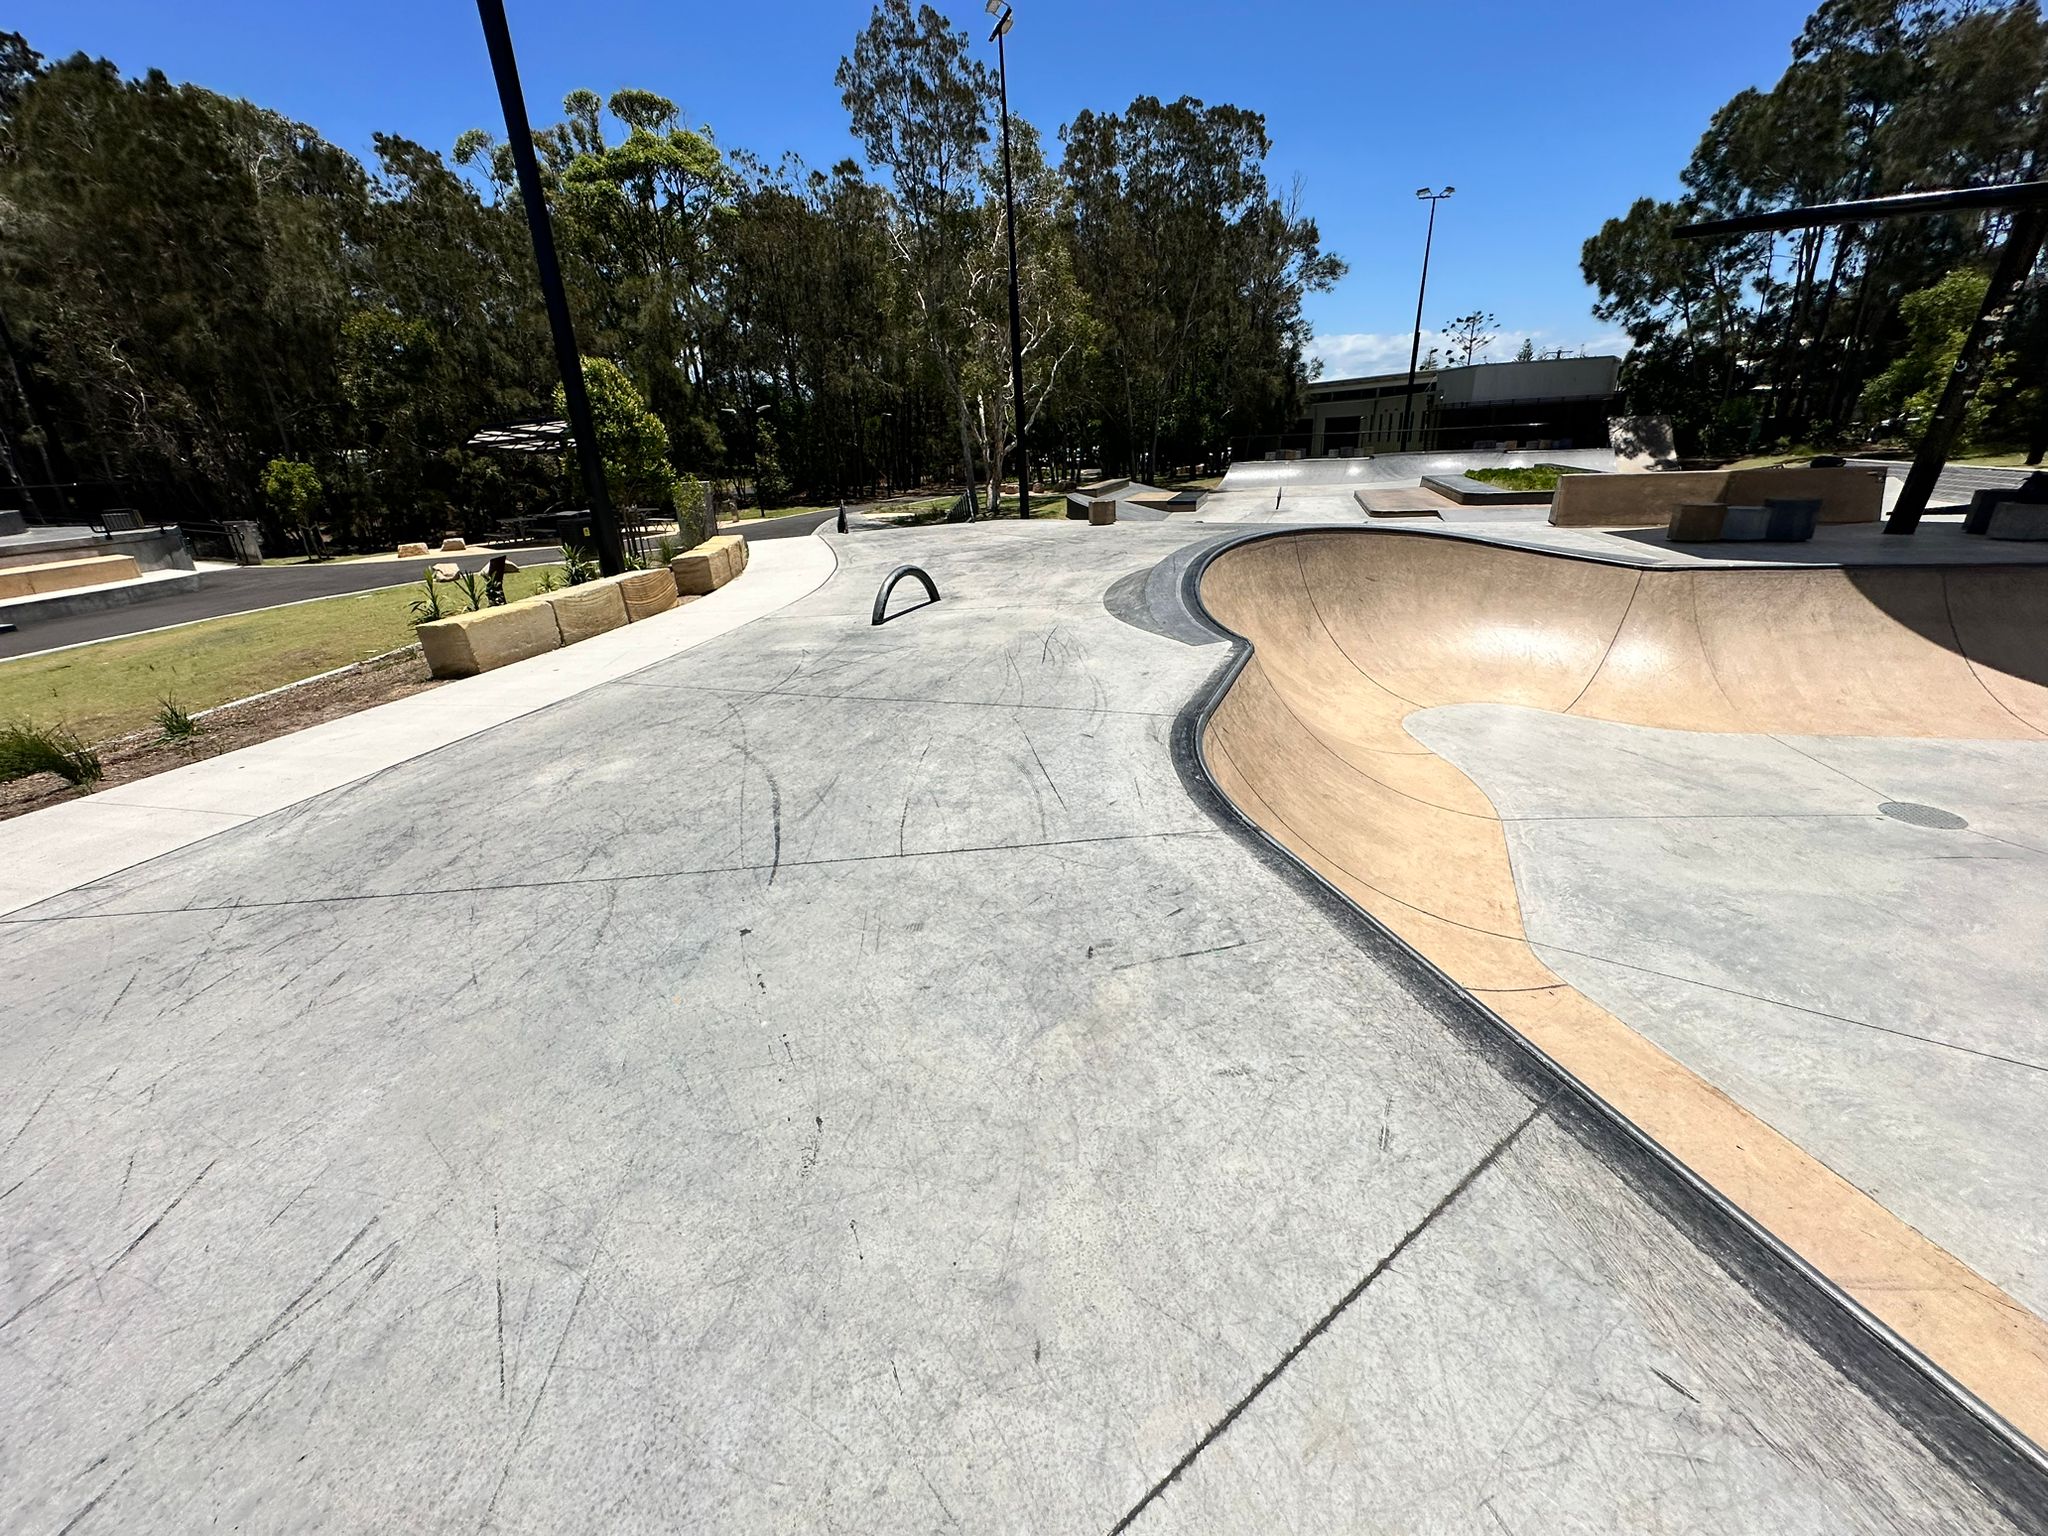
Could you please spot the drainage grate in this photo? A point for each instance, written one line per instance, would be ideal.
(1922, 815)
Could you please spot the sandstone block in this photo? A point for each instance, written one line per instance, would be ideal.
(647, 593)
(586, 610)
(469, 643)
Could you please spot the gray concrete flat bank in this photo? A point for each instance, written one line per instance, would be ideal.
(839, 1079)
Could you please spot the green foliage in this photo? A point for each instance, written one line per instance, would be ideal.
(1470, 334)
(1937, 318)
(426, 609)
(291, 490)
(1171, 208)
(174, 721)
(578, 565)
(1772, 338)
(691, 502)
(471, 585)
(1542, 477)
(631, 438)
(198, 289)
(550, 579)
(26, 748)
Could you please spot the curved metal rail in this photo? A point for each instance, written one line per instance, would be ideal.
(889, 585)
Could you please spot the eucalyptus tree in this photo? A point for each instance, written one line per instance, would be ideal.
(920, 105)
(1779, 337)
(1194, 270)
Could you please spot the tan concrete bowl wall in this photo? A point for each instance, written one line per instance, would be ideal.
(1353, 631)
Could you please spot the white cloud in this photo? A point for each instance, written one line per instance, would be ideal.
(1354, 354)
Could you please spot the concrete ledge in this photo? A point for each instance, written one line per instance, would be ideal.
(61, 575)
(1648, 500)
(470, 643)
(153, 549)
(115, 594)
(586, 610)
(2018, 520)
(1101, 513)
(1467, 492)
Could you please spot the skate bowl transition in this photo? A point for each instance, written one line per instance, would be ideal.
(1349, 632)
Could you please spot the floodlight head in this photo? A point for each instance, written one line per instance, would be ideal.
(1422, 191)
(1003, 27)
(994, 7)
(1447, 191)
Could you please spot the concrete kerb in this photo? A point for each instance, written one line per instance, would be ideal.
(1960, 1426)
(83, 840)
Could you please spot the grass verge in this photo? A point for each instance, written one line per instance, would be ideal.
(117, 686)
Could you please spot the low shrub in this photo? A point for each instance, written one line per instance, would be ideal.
(175, 721)
(28, 749)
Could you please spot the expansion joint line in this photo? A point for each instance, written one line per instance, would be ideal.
(1329, 1318)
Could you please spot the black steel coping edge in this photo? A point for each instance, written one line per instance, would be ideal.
(1962, 1429)
(880, 615)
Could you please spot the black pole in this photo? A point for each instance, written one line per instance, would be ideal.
(1016, 303)
(1415, 347)
(2023, 243)
(611, 550)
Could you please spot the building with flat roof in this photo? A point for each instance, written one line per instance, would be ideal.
(1554, 401)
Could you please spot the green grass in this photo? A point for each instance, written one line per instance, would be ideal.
(117, 686)
(1543, 477)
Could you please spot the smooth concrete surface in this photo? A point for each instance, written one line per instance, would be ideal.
(861, 1090)
(51, 851)
(1871, 988)
(1354, 631)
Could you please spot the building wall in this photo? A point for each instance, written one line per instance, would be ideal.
(1550, 398)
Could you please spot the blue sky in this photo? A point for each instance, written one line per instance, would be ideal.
(1548, 117)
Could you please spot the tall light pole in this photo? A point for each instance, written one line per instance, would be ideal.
(604, 523)
(1415, 347)
(1004, 21)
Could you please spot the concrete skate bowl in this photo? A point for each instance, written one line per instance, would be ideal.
(1349, 632)
(1399, 468)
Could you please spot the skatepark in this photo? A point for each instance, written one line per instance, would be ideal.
(1198, 1028)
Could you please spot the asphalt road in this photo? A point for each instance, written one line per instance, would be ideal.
(244, 589)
